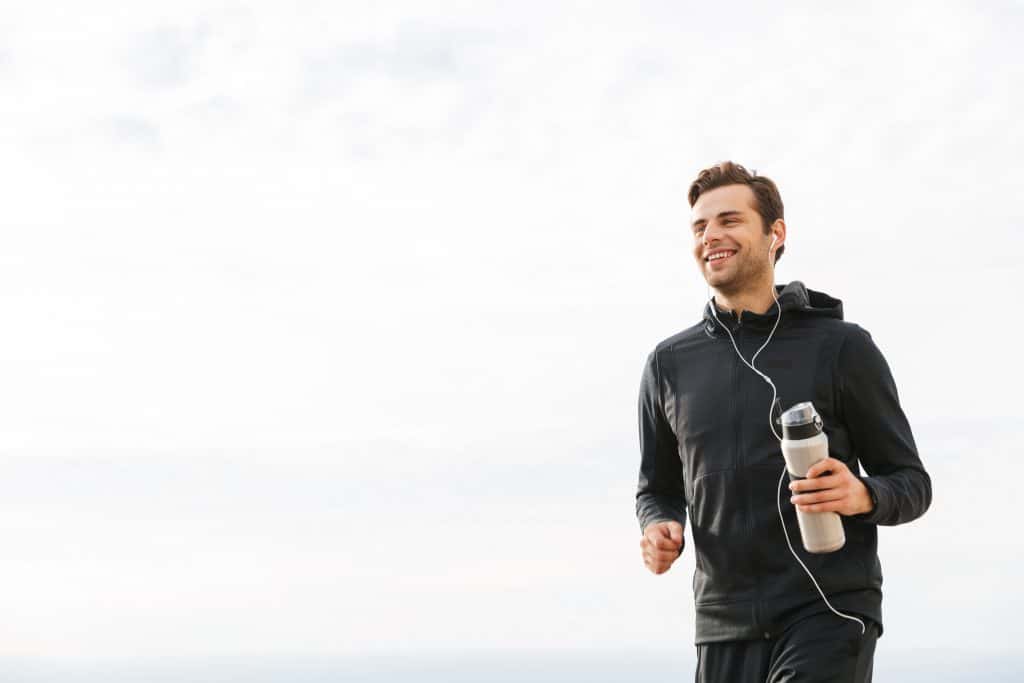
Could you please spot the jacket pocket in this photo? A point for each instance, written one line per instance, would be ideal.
(720, 538)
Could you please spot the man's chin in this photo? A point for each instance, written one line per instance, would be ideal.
(718, 282)
(725, 286)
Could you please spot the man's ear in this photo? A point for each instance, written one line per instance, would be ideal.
(778, 231)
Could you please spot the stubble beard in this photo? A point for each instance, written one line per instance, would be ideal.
(748, 275)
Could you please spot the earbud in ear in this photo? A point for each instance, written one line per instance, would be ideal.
(775, 238)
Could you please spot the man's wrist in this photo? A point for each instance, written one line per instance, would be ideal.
(870, 501)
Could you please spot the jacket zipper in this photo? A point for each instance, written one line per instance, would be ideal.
(745, 475)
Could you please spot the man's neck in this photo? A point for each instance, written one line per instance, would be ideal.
(758, 300)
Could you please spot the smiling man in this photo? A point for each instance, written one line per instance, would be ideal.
(709, 454)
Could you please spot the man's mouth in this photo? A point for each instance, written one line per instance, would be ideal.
(718, 257)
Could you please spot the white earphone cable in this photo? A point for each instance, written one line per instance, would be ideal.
(771, 424)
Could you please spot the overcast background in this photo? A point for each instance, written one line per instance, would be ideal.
(323, 323)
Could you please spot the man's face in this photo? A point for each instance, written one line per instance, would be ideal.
(729, 242)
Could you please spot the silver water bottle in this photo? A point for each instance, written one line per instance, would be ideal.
(803, 444)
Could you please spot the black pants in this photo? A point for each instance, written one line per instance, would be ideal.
(822, 648)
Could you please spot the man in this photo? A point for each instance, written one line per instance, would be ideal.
(708, 452)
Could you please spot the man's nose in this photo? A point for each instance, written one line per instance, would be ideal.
(711, 233)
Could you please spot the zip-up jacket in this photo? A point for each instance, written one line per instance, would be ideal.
(708, 454)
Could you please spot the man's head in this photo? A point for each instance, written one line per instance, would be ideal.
(737, 214)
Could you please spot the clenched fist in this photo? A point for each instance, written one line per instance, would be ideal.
(661, 544)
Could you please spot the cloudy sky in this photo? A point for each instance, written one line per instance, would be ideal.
(324, 322)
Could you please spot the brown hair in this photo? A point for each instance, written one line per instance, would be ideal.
(767, 200)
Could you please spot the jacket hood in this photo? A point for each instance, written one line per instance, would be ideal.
(794, 298)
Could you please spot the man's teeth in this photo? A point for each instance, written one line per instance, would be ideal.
(721, 254)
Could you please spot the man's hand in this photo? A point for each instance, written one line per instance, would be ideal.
(836, 489)
(661, 544)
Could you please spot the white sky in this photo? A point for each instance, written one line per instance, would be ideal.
(324, 324)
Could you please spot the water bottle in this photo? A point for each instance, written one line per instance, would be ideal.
(803, 444)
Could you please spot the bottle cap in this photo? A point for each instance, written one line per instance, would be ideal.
(801, 421)
(800, 414)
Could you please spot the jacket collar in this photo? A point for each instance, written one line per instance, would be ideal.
(794, 299)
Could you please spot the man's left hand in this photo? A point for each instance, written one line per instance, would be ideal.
(836, 489)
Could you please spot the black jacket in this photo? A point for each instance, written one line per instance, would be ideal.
(707, 452)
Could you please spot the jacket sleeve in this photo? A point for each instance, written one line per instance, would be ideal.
(659, 495)
(898, 483)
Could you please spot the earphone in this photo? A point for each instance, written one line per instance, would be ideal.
(771, 425)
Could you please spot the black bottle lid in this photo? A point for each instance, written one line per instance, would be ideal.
(801, 422)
